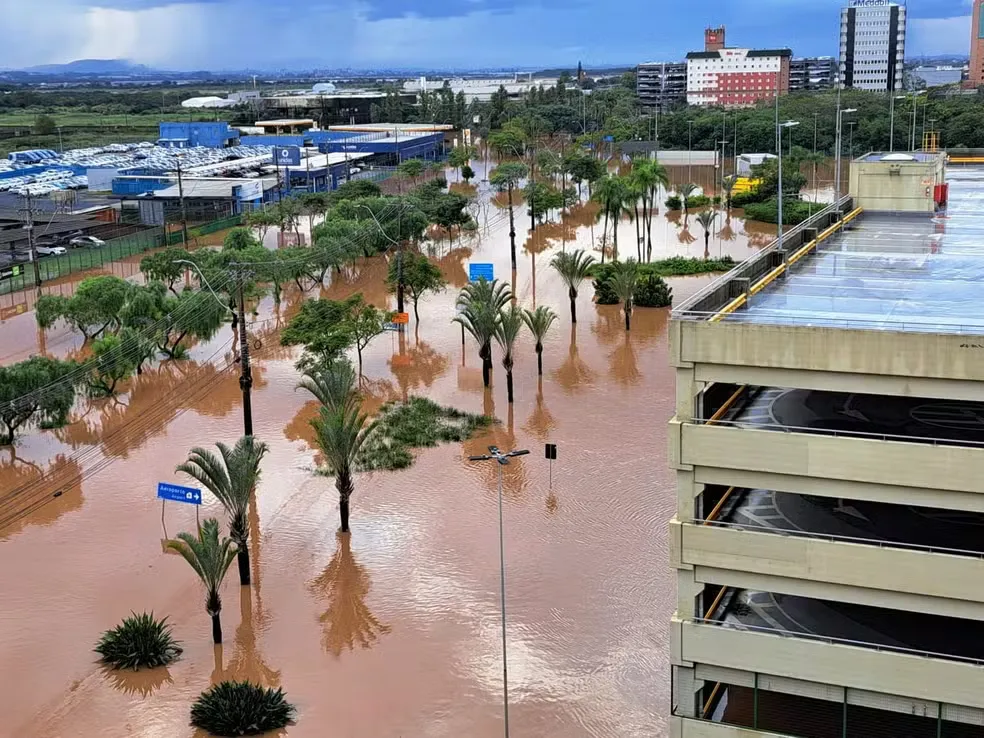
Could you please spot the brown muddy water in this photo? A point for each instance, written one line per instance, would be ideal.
(393, 630)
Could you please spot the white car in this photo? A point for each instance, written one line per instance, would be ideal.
(86, 241)
(50, 250)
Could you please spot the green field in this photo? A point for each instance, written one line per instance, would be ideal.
(78, 117)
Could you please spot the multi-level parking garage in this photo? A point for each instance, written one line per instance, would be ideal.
(829, 448)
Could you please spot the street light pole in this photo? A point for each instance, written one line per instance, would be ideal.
(502, 459)
(787, 124)
(839, 145)
(690, 147)
(850, 138)
(181, 198)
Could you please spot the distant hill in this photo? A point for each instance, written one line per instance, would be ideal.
(94, 67)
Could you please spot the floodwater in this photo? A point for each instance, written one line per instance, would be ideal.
(393, 630)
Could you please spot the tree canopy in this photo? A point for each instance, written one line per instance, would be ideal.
(39, 389)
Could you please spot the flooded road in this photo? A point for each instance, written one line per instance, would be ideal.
(393, 630)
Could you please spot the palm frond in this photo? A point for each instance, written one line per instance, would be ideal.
(539, 321)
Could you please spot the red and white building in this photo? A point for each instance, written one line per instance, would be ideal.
(735, 77)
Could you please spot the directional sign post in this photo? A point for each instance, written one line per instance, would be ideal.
(177, 493)
(480, 271)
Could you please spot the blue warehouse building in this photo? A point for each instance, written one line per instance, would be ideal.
(185, 135)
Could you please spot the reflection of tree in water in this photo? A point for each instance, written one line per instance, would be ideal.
(143, 683)
(367, 277)
(344, 586)
(685, 236)
(574, 372)
(35, 494)
(540, 422)
(727, 233)
(416, 367)
(624, 368)
(582, 214)
(452, 266)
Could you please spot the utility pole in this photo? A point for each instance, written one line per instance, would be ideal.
(29, 227)
(181, 198)
(246, 374)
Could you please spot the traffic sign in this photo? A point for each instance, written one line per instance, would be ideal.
(390, 327)
(287, 156)
(551, 451)
(177, 493)
(401, 318)
(480, 271)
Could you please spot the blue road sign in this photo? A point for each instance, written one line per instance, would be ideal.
(610, 139)
(287, 156)
(177, 493)
(479, 271)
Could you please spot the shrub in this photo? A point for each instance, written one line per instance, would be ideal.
(793, 211)
(652, 291)
(241, 708)
(603, 291)
(741, 199)
(139, 642)
(696, 202)
(673, 202)
(674, 266)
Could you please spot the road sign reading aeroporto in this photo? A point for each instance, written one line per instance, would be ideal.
(177, 493)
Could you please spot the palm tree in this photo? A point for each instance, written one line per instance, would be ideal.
(341, 433)
(573, 267)
(480, 304)
(510, 323)
(624, 282)
(728, 185)
(506, 177)
(612, 193)
(649, 175)
(685, 192)
(539, 322)
(332, 384)
(706, 218)
(211, 558)
(232, 480)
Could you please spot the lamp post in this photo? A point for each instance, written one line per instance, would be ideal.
(787, 124)
(502, 459)
(181, 199)
(839, 145)
(690, 147)
(891, 118)
(850, 138)
(721, 182)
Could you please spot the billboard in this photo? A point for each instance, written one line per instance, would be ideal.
(249, 191)
(287, 156)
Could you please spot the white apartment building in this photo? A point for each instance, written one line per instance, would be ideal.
(872, 45)
(828, 444)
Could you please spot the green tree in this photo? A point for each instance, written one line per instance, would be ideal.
(39, 389)
(467, 173)
(195, 315)
(356, 189)
(573, 267)
(94, 308)
(211, 558)
(612, 193)
(448, 211)
(44, 125)
(261, 220)
(507, 142)
(623, 283)
(542, 198)
(459, 157)
(539, 322)
(506, 177)
(649, 176)
(583, 167)
(728, 185)
(319, 326)
(686, 191)
(419, 275)
(341, 433)
(706, 218)
(332, 383)
(164, 266)
(363, 323)
(411, 169)
(507, 331)
(479, 307)
(112, 363)
(232, 479)
(239, 239)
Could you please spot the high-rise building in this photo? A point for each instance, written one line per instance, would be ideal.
(734, 77)
(661, 84)
(812, 73)
(714, 38)
(872, 45)
(976, 76)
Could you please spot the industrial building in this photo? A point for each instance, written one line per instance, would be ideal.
(661, 85)
(480, 90)
(872, 45)
(188, 135)
(811, 74)
(827, 445)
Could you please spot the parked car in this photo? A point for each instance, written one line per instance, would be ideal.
(50, 250)
(86, 242)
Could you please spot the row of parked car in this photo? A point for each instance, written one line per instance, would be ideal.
(54, 247)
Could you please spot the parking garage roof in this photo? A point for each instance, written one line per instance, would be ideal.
(890, 271)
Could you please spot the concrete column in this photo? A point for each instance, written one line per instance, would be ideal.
(684, 697)
(688, 397)
(687, 590)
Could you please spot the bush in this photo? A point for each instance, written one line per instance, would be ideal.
(241, 708)
(673, 202)
(652, 291)
(741, 199)
(698, 201)
(139, 642)
(793, 211)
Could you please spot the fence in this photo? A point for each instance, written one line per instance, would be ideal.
(21, 276)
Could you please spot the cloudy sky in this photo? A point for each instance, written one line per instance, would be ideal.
(271, 34)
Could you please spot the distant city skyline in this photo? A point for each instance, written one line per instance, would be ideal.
(237, 34)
